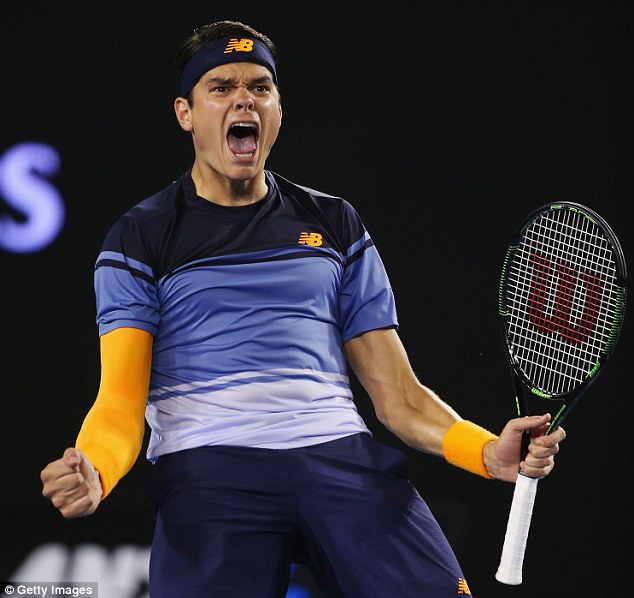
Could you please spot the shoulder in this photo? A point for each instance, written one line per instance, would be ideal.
(335, 215)
(333, 204)
(154, 211)
(139, 231)
(156, 206)
(290, 187)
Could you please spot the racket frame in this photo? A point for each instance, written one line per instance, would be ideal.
(524, 387)
(511, 562)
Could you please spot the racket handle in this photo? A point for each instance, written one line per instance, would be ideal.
(510, 569)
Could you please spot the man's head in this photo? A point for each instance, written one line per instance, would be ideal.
(230, 103)
(219, 43)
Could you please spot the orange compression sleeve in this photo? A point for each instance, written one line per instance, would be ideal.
(463, 446)
(112, 433)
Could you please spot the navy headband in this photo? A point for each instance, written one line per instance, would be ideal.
(222, 51)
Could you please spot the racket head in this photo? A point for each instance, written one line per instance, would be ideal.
(562, 300)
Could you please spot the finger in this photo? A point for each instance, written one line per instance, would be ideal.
(75, 504)
(539, 471)
(63, 485)
(552, 440)
(68, 489)
(558, 435)
(522, 424)
(56, 470)
(541, 457)
(544, 452)
(537, 466)
(82, 506)
(72, 457)
(86, 467)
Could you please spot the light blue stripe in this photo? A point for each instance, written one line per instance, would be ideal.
(357, 245)
(119, 257)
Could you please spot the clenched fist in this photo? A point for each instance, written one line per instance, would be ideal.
(72, 484)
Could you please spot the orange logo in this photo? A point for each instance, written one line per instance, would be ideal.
(314, 239)
(463, 588)
(239, 45)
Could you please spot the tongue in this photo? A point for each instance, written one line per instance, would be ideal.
(246, 145)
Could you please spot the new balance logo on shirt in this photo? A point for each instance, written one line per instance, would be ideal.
(314, 239)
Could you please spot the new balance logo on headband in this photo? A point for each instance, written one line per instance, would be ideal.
(239, 45)
(222, 51)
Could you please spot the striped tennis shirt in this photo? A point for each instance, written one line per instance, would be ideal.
(249, 307)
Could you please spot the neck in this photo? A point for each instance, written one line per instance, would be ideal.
(228, 192)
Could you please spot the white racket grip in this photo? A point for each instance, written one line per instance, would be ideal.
(510, 569)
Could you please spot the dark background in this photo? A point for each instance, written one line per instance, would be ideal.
(443, 123)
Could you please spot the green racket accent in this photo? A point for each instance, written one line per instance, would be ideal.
(502, 307)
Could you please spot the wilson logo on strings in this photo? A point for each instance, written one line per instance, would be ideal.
(570, 289)
(313, 239)
(239, 45)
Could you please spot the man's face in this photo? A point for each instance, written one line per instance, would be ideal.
(235, 118)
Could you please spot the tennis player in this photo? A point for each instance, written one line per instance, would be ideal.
(229, 305)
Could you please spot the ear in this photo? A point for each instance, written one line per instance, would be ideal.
(183, 113)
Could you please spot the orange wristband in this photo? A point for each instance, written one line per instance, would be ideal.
(463, 446)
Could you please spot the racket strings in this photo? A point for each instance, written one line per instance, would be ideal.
(561, 297)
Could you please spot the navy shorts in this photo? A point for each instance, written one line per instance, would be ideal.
(230, 521)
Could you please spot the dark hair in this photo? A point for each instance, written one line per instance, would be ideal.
(209, 33)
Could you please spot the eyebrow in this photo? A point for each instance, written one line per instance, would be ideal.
(229, 80)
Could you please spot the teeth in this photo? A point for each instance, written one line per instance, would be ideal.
(243, 129)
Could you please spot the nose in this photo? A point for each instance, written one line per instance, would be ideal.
(243, 99)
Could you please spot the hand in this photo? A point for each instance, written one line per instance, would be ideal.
(502, 456)
(72, 484)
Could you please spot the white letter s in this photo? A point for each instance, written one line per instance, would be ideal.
(30, 194)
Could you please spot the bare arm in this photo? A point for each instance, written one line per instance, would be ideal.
(421, 419)
(403, 405)
(112, 434)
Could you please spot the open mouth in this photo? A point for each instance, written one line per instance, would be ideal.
(242, 139)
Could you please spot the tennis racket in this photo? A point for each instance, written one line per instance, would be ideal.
(562, 303)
